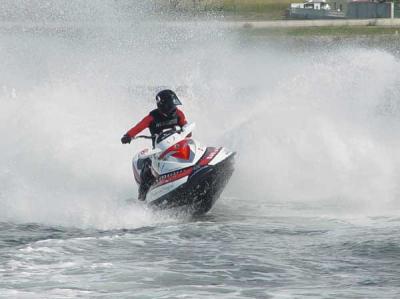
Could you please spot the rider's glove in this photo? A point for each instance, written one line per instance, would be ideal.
(126, 139)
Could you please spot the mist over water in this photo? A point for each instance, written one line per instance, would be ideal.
(329, 131)
(312, 125)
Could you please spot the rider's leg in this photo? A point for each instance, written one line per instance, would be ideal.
(146, 177)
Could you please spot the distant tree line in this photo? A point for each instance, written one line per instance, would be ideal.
(190, 4)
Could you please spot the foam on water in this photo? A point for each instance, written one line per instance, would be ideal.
(321, 126)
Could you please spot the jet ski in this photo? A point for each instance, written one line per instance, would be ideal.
(186, 175)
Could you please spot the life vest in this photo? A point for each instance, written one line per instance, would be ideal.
(161, 122)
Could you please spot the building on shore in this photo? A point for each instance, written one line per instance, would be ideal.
(364, 9)
(315, 9)
(341, 9)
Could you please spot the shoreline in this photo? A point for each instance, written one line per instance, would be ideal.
(252, 27)
(348, 27)
(387, 23)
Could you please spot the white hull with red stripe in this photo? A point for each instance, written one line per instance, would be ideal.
(187, 175)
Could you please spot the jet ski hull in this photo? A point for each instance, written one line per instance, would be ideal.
(202, 189)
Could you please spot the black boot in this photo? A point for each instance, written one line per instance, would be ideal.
(147, 179)
(142, 191)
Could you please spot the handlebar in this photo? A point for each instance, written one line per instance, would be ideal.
(156, 136)
(143, 137)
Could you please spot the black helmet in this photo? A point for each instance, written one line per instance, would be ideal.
(167, 101)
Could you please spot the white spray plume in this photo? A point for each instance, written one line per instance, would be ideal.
(311, 127)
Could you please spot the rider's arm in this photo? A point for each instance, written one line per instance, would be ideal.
(143, 124)
(181, 118)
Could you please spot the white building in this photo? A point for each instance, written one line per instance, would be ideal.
(312, 4)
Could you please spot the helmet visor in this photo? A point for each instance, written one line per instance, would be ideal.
(168, 103)
(171, 99)
(176, 101)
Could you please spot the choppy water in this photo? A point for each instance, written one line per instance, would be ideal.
(311, 212)
(223, 255)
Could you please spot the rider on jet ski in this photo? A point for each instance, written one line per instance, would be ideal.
(166, 116)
